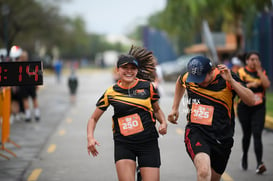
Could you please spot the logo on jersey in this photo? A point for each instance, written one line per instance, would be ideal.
(198, 144)
(140, 92)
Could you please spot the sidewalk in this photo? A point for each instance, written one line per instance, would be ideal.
(32, 136)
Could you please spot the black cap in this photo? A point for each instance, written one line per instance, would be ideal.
(126, 59)
(198, 67)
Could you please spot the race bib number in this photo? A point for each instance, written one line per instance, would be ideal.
(130, 124)
(258, 98)
(202, 114)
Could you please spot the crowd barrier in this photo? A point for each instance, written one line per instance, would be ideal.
(5, 111)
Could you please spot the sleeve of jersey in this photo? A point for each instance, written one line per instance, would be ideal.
(182, 79)
(154, 93)
(103, 102)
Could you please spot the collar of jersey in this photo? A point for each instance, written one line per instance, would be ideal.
(128, 87)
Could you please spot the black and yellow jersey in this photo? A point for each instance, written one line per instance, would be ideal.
(133, 119)
(211, 108)
(248, 76)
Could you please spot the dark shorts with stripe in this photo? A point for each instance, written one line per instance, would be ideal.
(147, 154)
(219, 152)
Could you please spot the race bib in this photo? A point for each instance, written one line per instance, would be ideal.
(202, 114)
(130, 124)
(258, 98)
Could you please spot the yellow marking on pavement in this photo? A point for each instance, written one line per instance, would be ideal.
(226, 177)
(34, 174)
(68, 120)
(179, 131)
(51, 148)
(62, 132)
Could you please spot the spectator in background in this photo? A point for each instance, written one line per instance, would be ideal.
(17, 106)
(2, 58)
(159, 79)
(72, 85)
(29, 91)
(58, 70)
(236, 64)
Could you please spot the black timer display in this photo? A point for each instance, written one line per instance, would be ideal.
(21, 73)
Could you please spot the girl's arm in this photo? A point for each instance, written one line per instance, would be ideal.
(91, 125)
(161, 118)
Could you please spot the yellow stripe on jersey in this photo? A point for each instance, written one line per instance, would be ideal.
(247, 77)
(117, 96)
(222, 96)
(141, 103)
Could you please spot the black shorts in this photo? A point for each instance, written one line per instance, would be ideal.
(219, 152)
(28, 91)
(16, 94)
(147, 154)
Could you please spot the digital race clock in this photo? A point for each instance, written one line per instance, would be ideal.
(21, 73)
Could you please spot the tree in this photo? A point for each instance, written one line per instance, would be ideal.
(32, 24)
(28, 21)
(182, 19)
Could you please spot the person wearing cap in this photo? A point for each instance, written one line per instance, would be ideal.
(236, 64)
(210, 128)
(17, 103)
(252, 118)
(136, 110)
(29, 91)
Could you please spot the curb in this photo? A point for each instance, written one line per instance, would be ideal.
(268, 122)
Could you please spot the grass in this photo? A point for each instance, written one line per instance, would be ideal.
(269, 103)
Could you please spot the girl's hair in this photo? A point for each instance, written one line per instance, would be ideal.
(147, 62)
(248, 54)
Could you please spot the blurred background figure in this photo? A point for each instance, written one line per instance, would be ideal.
(115, 74)
(17, 106)
(3, 54)
(29, 91)
(236, 64)
(72, 85)
(159, 79)
(58, 70)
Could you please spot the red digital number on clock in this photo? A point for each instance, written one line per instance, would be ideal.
(33, 73)
(21, 73)
(5, 70)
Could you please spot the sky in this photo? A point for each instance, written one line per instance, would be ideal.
(116, 17)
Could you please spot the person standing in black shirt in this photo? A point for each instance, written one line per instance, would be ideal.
(72, 85)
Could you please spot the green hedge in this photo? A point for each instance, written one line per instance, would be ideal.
(269, 103)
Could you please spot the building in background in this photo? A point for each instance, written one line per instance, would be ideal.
(158, 42)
